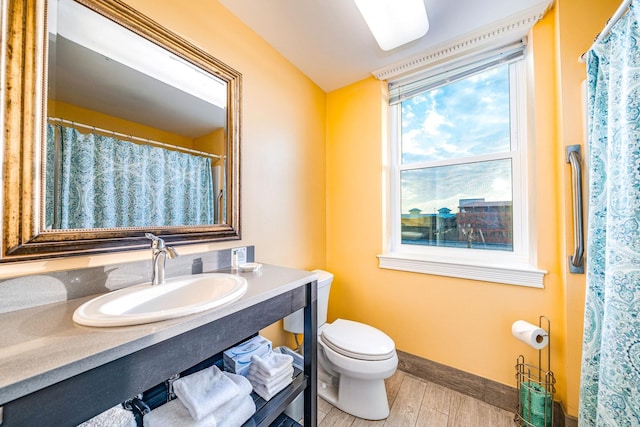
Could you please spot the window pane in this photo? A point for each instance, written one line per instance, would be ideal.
(467, 205)
(469, 117)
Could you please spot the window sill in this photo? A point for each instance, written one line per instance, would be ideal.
(515, 274)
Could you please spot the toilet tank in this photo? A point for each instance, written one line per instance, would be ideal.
(294, 322)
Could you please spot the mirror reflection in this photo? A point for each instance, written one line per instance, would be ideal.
(135, 136)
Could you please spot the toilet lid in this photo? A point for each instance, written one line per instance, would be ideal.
(357, 340)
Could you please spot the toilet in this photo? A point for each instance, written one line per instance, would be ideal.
(354, 359)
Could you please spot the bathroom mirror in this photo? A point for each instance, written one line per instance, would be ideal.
(113, 126)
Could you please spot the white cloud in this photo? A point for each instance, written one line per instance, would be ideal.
(433, 122)
(467, 118)
(501, 186)
(434, 188)
(412, 145)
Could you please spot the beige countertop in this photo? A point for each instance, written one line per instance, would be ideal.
(41, 346)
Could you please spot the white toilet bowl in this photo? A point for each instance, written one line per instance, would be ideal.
(354, 382)
(354, 359)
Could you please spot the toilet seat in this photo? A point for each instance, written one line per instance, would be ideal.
(357, 340)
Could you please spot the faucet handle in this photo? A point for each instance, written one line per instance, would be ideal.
(156, 242)
(151, 236)
(171, 253)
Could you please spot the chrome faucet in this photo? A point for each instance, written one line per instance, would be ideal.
(159, 253)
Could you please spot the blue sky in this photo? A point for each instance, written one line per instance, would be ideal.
(466, 118)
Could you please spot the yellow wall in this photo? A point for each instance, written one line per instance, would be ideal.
(213, 142)
(463, 323)
(283, 137)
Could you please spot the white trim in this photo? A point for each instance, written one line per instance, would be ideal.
(528, 131)
(521, 194)
(503, 32)
(514, 274)
(395, 206)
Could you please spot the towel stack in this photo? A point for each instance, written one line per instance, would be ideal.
(209, 398)
(270, 373)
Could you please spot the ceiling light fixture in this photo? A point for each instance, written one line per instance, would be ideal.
(394, 22)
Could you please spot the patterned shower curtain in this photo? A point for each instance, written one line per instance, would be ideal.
(104, 182)
(610, 380)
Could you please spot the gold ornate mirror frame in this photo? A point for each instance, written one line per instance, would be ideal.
(24, 53)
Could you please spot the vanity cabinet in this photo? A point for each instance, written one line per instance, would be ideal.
(79, 397)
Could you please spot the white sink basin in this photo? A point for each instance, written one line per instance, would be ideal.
(145, 303)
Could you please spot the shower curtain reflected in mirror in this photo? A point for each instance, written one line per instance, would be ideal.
(610, 379)
(97, 181)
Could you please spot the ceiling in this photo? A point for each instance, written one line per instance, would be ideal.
(329, 41)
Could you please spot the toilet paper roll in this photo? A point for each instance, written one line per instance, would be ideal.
(530, 334)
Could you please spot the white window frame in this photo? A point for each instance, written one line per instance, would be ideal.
(517, 267)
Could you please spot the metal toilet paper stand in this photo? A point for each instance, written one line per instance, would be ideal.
(536, 387)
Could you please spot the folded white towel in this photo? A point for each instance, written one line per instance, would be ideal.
(268, 392)
(272, 363)
(258, 377)
(274, 386)
(205, 391)
(244, 386)
(234, 415)
(174, 414)
(114, 417)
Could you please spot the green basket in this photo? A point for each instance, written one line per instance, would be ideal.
(535, 404)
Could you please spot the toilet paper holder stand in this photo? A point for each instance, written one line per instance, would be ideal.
(536, 386)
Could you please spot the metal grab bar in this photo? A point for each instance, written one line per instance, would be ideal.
(576, 261)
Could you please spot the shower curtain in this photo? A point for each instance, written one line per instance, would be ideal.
(104, 182)
(610, 378)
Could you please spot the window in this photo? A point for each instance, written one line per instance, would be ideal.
(459, 185)
(456, 164)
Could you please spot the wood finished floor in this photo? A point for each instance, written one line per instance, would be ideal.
(417, 403)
